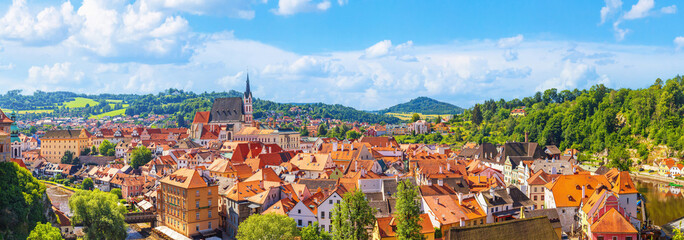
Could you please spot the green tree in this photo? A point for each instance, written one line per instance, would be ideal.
(100, 213)
(351, 134)
(267, 227)
(140, 156)
(117, 192)
(352, 217)
(180, 120)
(322, 130)
(68, 157)
(438, 119)
(93, 150)
(677, 234)
(314, 232)
(22, 201)
(105, 148)
(88, 184)
(45, 231)
(407, 211)
(415, 117)
(304, 131)
(476, 115)
(33, 130)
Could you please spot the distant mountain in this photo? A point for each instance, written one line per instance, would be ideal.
(424, 105)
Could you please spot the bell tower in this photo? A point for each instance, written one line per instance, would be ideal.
(247, 103)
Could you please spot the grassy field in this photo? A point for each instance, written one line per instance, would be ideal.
(8, 111)
(110, 114)
(80, 102)
(407, 116)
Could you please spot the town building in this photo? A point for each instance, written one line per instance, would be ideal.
(56, 142)
(228, 115)
(187, 203)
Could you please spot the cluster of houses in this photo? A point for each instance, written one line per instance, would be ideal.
(206, 180)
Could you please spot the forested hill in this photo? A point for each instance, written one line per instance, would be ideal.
(170, 101)
(424, 105)
(591, 120)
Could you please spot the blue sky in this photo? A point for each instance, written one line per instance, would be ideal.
(365, 54)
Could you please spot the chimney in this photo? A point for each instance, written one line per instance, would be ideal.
(334, 146)
(526, 135)
(508, 190)
(356, 166)
(462, 222)
(583, 187)
(448, 167)
(440, 182)
(440, 170)
(460, 199)
(342, 147)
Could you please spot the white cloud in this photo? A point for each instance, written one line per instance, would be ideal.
(679, 42)
(640, 9)
(574, 75)
(620, 33)
(510, 44)
(385, 48)
(51, 25)
(8, 66)
(233, 8)
(612, 7)
(669, 9)
(290, 7)
(59, 73)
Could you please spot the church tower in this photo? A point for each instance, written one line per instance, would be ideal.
(247, 103)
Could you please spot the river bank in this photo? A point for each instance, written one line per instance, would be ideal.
(656, 178)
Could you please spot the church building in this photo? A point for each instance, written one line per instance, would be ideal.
(226, 117)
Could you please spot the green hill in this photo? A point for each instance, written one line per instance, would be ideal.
(424, 105)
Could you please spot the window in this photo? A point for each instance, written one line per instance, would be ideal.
(628, 238)
(299, 211)
(197, 227)
(209, 202)
(322, 215)
(197, 193)
(299, 222)
(209, 213)
(330, 214)
(535, 189)
(209, 192)
(330, 201)
(209, 223)
(535, 198)
(614, 238)
(197, 204)
(309, 223)
(197, 215)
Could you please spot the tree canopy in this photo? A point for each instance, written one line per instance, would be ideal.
(100, 213)
(140, 156)
(88, 184)
(408, 212)
(352, 217)
(314, 232)
(267, 227)
(107, 148)
(22, 201)
(45, 231)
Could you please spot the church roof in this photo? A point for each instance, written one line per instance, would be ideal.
(226, 110)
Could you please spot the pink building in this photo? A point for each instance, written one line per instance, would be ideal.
(613, 226)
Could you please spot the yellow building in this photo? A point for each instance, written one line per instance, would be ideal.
(284, 138)
(56, 142)
(188, 203)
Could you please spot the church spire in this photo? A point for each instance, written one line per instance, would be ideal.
(247, 91)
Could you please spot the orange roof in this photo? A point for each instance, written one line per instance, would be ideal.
(539, 178)
(265, 174)
(387, 225)
(613, 222)
(243, 190)
(201, 117)
(623, 184)
(185, 178)
(281, 207)
(431, 190)
(567, 189)
(447, 210)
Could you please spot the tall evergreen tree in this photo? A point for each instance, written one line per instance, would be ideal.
(476, 116)
(407, 211)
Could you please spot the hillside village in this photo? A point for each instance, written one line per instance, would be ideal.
(205, 180)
